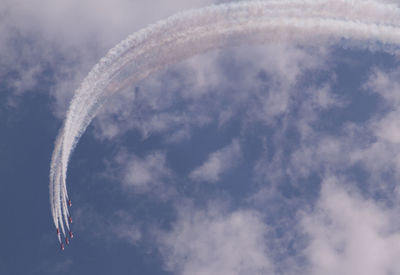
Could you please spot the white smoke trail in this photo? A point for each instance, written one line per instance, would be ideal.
(367, 24)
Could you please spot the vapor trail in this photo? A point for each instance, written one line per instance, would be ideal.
(366, 24)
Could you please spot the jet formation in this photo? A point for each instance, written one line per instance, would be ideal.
(70, 234)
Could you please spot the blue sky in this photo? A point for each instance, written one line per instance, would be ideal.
(260, 159)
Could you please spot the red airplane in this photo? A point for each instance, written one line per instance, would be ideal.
(70, 219)
(62, 247)
(71, 235)
(66, 240)
(69, 203)
(58, 231)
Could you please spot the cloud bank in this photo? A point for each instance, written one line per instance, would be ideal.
(217, 163)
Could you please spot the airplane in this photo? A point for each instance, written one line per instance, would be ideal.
(59, 235)
(62, 247)
(71, 235)
(69, 203)
(66, 240)
(70, 219)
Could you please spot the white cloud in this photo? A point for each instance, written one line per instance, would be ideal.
(218, 163)
(351, 235)
(385, 84)
(311, 150)
(388, 128)
(68, 38)
(379, 152)
(72, 23)
(282, 66)
(216, 242)
(147, 174)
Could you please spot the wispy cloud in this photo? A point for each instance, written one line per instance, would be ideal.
(350, 234)
(213, 87)
(44, 36)
(215, 241)
(118, 225)
(142, 172)
(148, 174)
(218, 163)
(62, 266)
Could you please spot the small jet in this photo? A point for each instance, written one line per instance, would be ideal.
(59, 235)
(70, 219)
(69, 203)
(62, 247)
(66, 240)
(71, 235)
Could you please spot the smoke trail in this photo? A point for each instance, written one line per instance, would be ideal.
(367, 24)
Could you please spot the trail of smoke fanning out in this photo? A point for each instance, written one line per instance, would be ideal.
(366, 24)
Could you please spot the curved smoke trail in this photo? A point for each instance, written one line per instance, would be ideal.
(367, 24)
